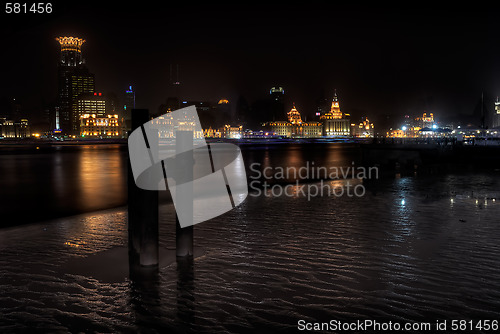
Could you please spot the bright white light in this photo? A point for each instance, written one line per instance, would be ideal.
(403, 202)
(403, 128)
(434, 126)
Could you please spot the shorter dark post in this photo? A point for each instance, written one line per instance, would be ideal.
(184, 236)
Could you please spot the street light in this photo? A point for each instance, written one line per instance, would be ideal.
(404, 133)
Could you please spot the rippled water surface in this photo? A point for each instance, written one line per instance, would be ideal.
(419, 248)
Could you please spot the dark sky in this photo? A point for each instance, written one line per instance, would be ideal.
(381, 60)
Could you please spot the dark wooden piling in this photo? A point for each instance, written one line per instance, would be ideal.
(184, 236)
(142, 211)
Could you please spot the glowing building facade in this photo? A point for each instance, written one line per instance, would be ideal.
(105, 126)
(14, 129)
(365, 129)
(91, 104)
(295, 127)
(335, 122)
(231, 132)
(294, 116)
(425, 121)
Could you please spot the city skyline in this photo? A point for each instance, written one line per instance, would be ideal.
(344, 161)
(383, 62)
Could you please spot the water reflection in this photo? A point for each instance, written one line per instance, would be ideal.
(61, 181)
(100, 174)
(417, 249)
(264, 161)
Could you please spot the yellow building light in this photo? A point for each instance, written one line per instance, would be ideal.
(70, 43)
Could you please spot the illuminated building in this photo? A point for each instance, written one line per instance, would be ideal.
(165, 126)
(398, 133)
(495, 123)
(71, 51)
(335, 123)
(12, 129)
(7, 129)
(280, 128)
(212, 133)
(104, 126)
(294, 116)
(74, 79)
(91, 104)
(426, 121)
(22, 128)
(231, 132)
(365, 129)
(295, 127)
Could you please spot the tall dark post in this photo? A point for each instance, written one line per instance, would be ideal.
(142, 211)
(184, 236)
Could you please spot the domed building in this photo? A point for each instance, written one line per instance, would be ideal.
(295, 127)
(294, 116)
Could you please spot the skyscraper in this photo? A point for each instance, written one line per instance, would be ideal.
(277, 103)
(127, 108)
(74, 79)
(129, 99)
(91, 103)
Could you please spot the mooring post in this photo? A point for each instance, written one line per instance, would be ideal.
(184, 194)
(149, 228)
(142, 210)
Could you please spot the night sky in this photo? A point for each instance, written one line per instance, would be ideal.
(381, 60)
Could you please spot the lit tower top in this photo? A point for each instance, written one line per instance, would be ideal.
(71, 50)
(335, 108)
(277, 93)
(294, 116)
(334, 112)
(277, 90)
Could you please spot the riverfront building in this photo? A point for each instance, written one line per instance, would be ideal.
(295, 127)
(74, 79)
(335, 122)
(100, 126)
(365, 129)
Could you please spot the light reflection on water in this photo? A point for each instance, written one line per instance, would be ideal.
(403, 252)
(101, 176)
(61, 181)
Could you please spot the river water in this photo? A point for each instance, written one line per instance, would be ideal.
(423, 248)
